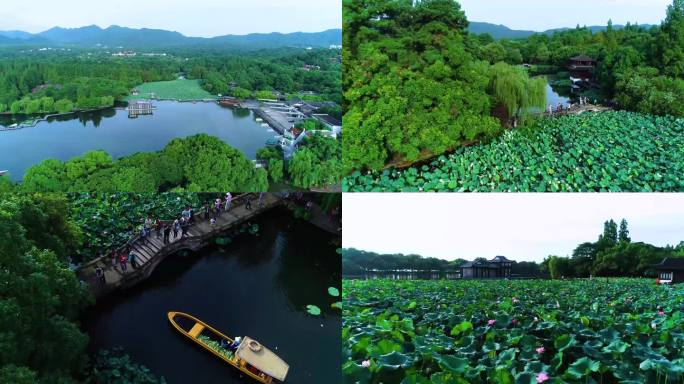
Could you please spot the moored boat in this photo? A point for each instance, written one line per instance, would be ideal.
(250, 357)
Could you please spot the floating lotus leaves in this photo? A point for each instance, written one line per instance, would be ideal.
(394, 360)
(452, 364)
(582, 367)
(332, 291)
(564, 342)
(313, 310)
(383, 347)
(447, 339)
(355, 373)
(609, 151)
(464, 326)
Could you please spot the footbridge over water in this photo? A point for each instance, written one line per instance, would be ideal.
(153, 251)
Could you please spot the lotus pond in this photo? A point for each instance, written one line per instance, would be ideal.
(526, 331)
(609, 151)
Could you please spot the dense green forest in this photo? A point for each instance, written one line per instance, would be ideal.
(315, 164)
(199, 163)
(61, 81)
(41, 299)
(612, 254)
(639, 69)
(356, 262)
(399, 57)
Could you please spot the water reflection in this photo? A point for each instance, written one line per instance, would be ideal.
(67, 136)
(256, 286)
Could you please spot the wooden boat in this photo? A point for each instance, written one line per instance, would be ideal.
(250, 357)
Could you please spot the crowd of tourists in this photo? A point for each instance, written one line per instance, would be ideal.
(163, 230)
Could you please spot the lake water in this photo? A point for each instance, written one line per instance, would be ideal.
(65, 137)
(556, 95)
(257, 286)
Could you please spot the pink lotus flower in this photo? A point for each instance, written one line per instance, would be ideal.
(515, 300)
(661, 313)
(491, 322)
(542, 377)
(514, 321)
(540, 350)
(365, 363)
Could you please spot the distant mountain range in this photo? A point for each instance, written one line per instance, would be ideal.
(116, 36)
(503, 32)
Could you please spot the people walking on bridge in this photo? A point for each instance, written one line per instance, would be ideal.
(159, 228)
(217, 206)
(99, 272)
(249, 203)
(148, 223)
(229, 200)
(122, 260)
(167, 233)
(176, 228)
(184, 227)
(132, 258)
(143, 235)
(206, 210)
(261, 198)
(185, 215)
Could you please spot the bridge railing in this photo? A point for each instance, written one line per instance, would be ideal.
(132, 241)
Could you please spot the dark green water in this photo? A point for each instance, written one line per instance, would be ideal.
(65, 137)
(257, 286)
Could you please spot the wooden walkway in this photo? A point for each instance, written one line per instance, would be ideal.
(153, 251)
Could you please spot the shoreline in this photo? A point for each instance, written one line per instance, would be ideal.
(46, 117)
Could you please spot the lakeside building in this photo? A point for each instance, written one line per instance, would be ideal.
(334, 125)
(581, 70)
(670, 271)
(497, 268)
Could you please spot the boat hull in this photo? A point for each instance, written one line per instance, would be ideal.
(194, 333)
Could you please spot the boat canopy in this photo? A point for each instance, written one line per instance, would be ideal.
(262, 358)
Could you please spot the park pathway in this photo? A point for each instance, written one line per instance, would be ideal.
(153, 251)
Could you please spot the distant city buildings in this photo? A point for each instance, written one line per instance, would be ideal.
(125, 54)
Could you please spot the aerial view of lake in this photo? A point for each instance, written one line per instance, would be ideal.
(111, 130)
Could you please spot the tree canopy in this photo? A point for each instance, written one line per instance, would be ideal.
(412, 89)
(196, 163)
(612, 254)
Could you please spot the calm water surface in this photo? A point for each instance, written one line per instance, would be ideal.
(257, 286)
(556, 95)
(65, 137)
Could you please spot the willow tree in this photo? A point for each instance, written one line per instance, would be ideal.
(515, 90)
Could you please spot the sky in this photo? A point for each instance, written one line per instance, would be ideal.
(202, 18)
(521, 226)
(540, 15)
